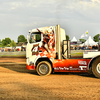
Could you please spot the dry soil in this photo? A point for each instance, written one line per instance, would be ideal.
(18, 83)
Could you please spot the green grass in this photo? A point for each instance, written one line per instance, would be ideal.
(12, 54)
(77, 54)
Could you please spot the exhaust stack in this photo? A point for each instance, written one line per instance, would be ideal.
(58, 41)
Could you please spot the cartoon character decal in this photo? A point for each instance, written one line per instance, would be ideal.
(35, 49)
(47, 47)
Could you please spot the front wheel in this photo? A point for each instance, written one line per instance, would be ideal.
(44, 68)
(96, 67)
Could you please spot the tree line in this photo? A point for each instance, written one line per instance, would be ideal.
(7, 42)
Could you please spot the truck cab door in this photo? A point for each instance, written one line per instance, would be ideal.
(34, 43)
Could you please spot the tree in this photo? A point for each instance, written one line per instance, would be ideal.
(21, 38)
(8, 40)
(38, 37)
(95, 38)
(82, 40)
(67, 37)
(0, 42)
(4, 43)
(13, 43)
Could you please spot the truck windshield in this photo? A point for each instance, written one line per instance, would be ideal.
(35, 37)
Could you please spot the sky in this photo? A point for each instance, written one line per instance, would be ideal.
(17, 17)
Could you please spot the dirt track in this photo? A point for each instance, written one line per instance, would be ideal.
(17, 83)
(15, 60)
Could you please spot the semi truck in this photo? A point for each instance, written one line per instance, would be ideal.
(48, 51)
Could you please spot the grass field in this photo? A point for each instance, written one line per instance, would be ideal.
(78, 53)
(12, 54)
(74, 53)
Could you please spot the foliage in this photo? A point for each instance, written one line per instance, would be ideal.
(8, 45)
(6, 42)
(13, 43)
(67, 37)
(95, 38)
(82, 40)
(0, 42)
(21, 38)
(38, 37)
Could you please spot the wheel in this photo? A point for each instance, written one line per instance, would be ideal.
(96, 67)
(44, 68)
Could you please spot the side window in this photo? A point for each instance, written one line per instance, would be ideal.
(35, 37)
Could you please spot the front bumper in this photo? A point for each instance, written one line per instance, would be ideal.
(30, 67)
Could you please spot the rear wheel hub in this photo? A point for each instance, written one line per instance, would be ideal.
(43, 69)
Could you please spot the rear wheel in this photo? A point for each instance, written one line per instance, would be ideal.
(96, 67)
(44, 68)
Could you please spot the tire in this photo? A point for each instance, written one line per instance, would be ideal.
(44, 68)
(96, 67)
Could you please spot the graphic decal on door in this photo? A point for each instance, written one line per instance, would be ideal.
(47, 47)
(35, 49)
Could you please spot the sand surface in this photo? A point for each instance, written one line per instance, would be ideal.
(18, 83)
